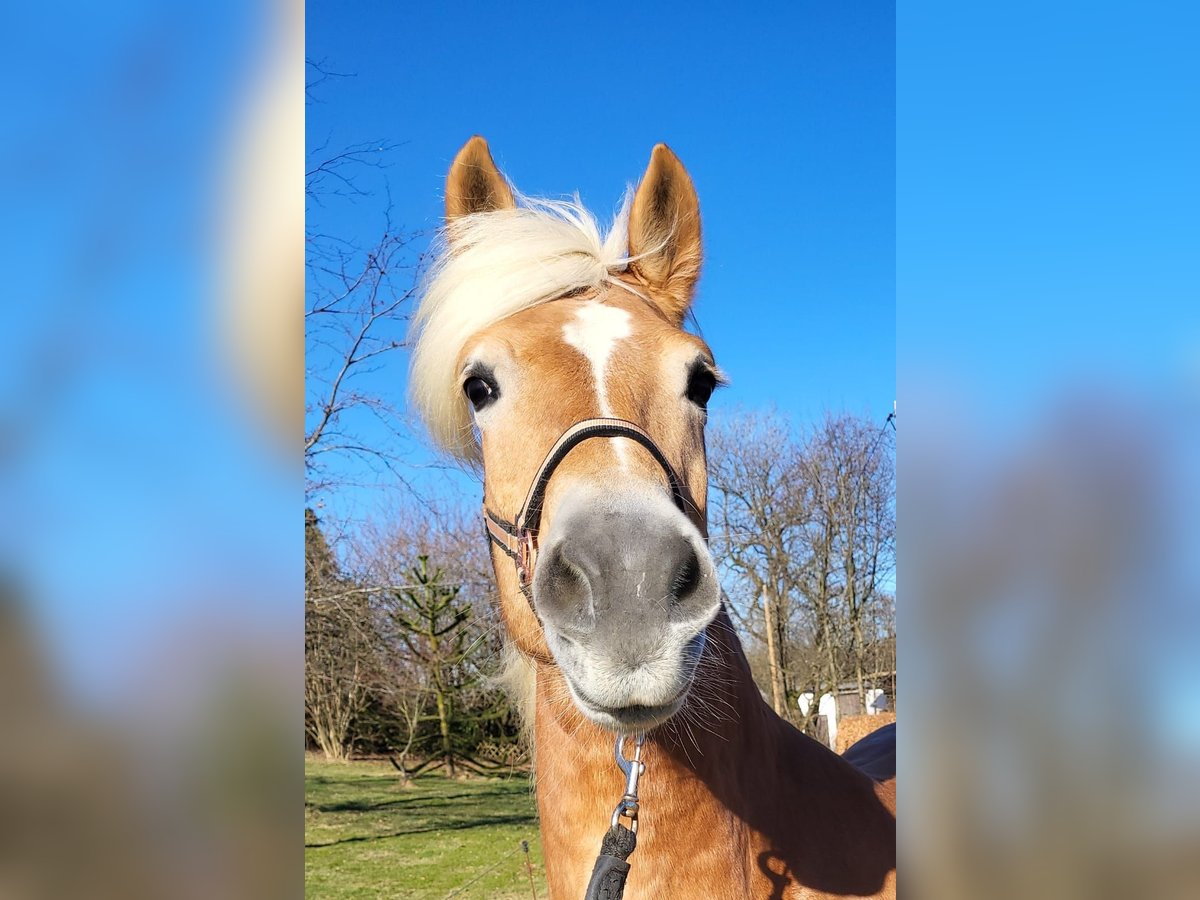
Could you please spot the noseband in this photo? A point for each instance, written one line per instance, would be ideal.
(519, 538)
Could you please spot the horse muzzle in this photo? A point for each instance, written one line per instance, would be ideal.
(625, 588)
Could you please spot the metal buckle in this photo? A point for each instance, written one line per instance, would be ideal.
(633, 769)
(526, 556)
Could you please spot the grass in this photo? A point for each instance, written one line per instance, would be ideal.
(367, 836)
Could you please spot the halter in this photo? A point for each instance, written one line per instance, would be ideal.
(519, 538)
(519, 541)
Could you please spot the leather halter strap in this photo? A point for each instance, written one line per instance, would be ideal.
(518, 539)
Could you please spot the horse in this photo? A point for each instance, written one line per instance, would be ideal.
(554, 355)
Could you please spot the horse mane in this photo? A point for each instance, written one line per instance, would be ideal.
(488, 266)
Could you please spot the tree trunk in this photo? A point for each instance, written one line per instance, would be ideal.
(439, 692)
(778, 689)
(832, 653)
(330, 739)
(444, 727)
(855, 610)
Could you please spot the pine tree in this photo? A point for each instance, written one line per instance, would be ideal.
(435, 625)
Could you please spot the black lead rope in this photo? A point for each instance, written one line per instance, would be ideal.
(612, 866)
(611, 869)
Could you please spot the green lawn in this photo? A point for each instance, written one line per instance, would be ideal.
(367, 836)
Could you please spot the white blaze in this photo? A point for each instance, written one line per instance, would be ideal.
(595, 332)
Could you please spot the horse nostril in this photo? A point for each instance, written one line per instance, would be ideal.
(686, 578)
(563, 590)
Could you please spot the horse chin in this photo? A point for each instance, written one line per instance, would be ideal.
(638, 717)
(630, 719)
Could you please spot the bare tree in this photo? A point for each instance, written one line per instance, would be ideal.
(817, 584)
(848, 469)
(354, 317)
(410, 700)
(357, 299)
(806, 528)
(340, 647)
(760, 517)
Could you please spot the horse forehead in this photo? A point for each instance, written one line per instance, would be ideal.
(596, 329)
(597, 334)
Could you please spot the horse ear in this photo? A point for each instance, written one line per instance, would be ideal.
(475, 184)
(664, 233)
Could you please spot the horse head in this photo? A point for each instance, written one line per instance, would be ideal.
(534, 323)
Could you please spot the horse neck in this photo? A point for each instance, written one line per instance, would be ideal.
(755, 804)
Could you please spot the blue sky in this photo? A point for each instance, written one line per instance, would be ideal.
(784, 117)
(1046, 198)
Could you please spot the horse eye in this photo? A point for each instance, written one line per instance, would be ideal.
(701, 384)
(479, 392)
